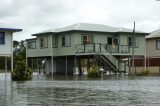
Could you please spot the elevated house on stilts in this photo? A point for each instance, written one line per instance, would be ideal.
(6, 46)
(80, 46)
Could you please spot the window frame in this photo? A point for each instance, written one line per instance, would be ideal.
(31, 42)
(43, 42)
(157, 41)
(63, 43)
(55, 41)
(87, 40)
(3, 38)
(136, 41)
(112, 40)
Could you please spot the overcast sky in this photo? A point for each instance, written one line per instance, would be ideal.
(37, 15)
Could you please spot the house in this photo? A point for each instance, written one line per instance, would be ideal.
(6, 38)
(153, 48)
(68, 48)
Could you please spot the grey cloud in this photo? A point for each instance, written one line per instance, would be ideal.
(37, 15)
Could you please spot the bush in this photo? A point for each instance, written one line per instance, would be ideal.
(143, 73)
(21, 72)
(93, 73)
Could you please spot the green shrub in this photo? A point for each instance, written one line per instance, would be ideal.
(21, 72)
(143, 73)
(93, 73)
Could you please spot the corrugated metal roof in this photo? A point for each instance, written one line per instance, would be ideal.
(5, 27)
(31, 39)
(154, 34)
(87, 27)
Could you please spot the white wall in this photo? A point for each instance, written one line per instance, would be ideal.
(5, 49)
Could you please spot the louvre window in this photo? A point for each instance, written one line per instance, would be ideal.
(2, 38)
(66, 41)
(31, 44)
(44, 42)
(130, 41)
(87, 39)
(54, 41)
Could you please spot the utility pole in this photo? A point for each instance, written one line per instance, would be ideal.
(133, 45)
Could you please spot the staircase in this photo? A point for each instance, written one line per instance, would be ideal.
(101, 53)
(114, 63)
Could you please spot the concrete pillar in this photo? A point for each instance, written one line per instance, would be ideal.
(52, 64)
(32, 63)
(48, 67)
(6, 68)
(66, 66)
(75, 62)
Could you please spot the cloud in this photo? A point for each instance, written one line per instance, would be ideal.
(38, 15)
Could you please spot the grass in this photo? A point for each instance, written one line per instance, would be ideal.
(143, 73)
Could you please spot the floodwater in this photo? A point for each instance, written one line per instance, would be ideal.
(80, 91)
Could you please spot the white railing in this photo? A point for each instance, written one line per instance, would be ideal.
(110, 57)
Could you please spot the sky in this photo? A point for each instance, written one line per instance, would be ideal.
(34, 16)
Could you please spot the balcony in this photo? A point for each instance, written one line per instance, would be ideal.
(96, 47)
(118, 49)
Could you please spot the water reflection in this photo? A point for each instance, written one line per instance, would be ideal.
(76, 91)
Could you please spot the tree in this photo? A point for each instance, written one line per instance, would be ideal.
(19, 53)
(21, 71)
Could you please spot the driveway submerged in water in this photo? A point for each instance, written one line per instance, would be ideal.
(80, 91)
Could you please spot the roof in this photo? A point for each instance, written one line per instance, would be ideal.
(87, 27)
(31, 39)
(154, 34)
(4, 27)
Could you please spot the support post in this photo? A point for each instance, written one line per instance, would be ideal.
(66, 66)
(32, 63)
(37, 66)
(6, 68)
(75, 62)
(26, 58)
(88, 64)
(159, 70)
(79, 67)
(83, 65)
(52, 54)
(52, 64)
(129, 64)
(145, 54)
(11, 53)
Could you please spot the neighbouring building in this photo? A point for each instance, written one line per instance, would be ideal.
(153, 48)
(6, 43)
(66, 49)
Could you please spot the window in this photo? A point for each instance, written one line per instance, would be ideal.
(87, 39)
(109, 40)
(130, 41)
(66, 41)
(31, 44)
(112, 40)
(158, 44)
(43, 42)
(54, 41)
(2, 38)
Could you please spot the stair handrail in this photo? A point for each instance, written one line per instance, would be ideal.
(109, 56)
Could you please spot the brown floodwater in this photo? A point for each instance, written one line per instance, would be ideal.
(80, 91)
